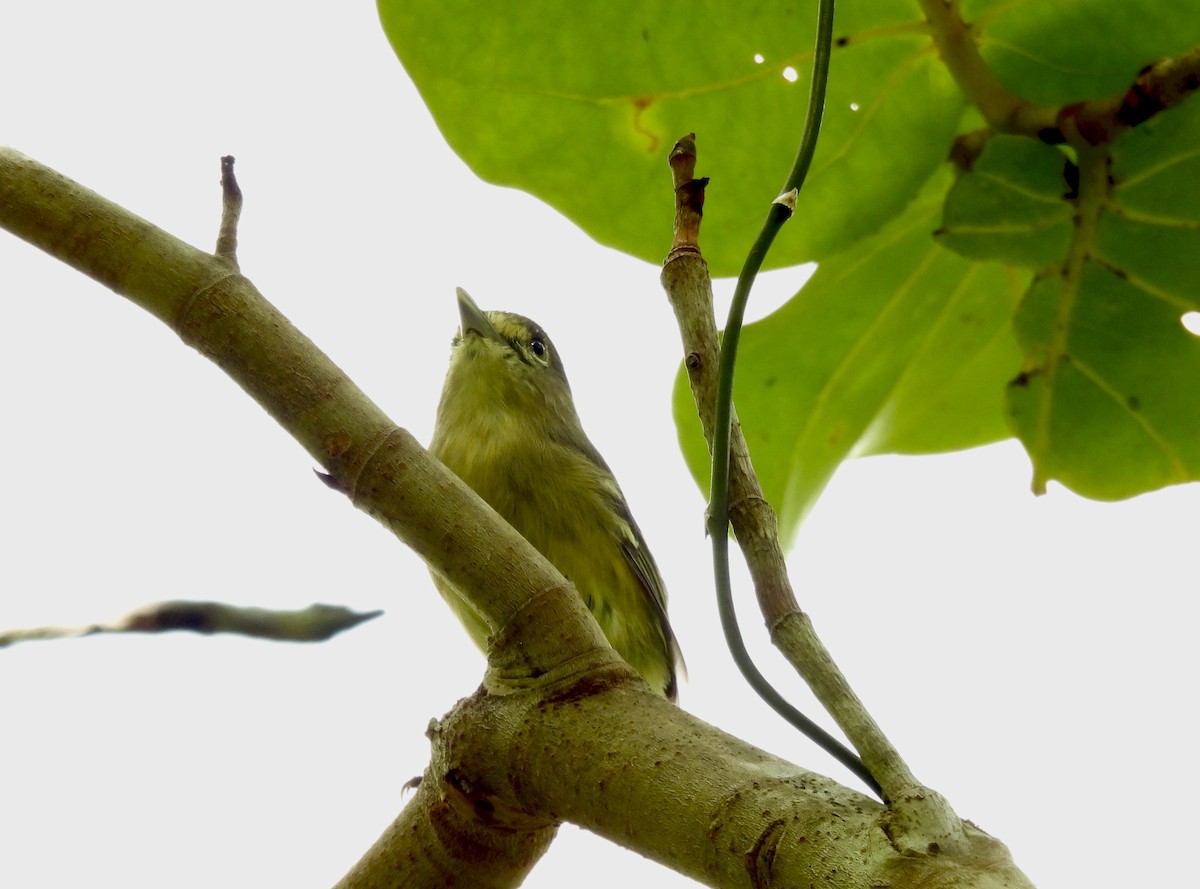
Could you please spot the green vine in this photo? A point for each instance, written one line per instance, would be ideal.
(718, 522)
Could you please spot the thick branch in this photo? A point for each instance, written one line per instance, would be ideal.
(439, 839)
(723, 812)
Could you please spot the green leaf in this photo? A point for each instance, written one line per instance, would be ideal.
(1057, 52)
(1011, 205)
(897, 345)
(1109, 401)
(579, 104)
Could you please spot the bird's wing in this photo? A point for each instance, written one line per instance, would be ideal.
(637, 554)
(643, 565)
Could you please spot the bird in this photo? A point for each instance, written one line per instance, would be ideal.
(507, 426)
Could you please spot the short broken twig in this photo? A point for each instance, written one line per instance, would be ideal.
(231, 211)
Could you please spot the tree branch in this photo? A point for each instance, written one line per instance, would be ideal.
(440, 839)
(923, 819)
(1003, 110)
(721, 811)
(561, 728)
(1158, 87)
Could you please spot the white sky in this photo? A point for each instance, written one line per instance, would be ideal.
(1032, 658)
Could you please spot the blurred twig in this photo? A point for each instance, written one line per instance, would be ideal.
(316, 623)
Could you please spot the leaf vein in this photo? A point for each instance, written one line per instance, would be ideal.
(849, 359)
(1175, 300)
(1178, 466)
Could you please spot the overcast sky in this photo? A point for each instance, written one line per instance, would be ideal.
(1033, 659)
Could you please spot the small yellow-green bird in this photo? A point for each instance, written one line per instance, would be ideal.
(507, 426)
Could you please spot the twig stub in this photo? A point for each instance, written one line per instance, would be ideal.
(689, 194)
(231, 210)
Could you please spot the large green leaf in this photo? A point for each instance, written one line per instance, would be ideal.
(579, 103)
(901, 342)
(897, 345)
(1109, 400)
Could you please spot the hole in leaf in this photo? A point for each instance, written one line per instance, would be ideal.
(758, 58)
(790, 75)
(1191, 322)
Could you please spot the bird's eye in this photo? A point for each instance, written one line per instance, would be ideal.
(538, 347)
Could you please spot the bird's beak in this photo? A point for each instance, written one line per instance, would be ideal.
(473, 319)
